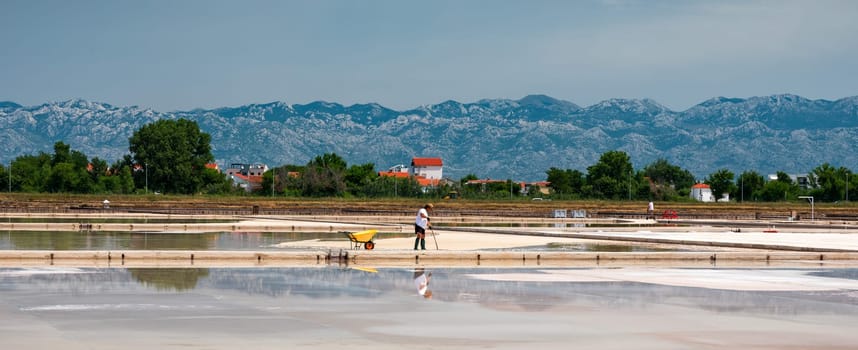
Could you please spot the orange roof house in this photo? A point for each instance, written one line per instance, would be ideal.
(421, 180)
(396, 174)
(702, 192)
(430, 168)
(426, 162)
(249, 183)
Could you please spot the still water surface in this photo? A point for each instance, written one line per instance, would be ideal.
(123, 240)
(328, 307)
(106, 240)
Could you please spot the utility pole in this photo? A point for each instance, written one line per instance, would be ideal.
(10, 176)
(146, 170)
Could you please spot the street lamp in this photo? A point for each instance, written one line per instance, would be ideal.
(146, 170)
(810, 198)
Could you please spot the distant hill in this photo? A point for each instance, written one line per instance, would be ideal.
(496, 138)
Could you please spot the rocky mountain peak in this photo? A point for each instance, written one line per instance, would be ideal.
(498, 138)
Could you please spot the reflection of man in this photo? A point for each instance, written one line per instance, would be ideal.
(421, 281)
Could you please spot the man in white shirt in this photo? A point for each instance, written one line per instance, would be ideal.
(421, 224)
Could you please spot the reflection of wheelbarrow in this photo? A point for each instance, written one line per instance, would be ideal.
(361, 238)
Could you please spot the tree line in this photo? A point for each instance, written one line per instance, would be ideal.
(613, 177)
(170, 156)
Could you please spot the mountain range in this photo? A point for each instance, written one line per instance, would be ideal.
(492, 138)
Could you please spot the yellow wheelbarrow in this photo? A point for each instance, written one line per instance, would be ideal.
(361, 238)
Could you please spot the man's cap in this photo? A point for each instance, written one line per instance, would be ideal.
(429, 205)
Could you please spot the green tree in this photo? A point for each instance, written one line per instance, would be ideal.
(828, 183)
(721, 182)
(468, 191)
(63, 178)
(667, 179)
(389, 186)
(612, 176)
(31, 173)
(567, 182)
(99, 171)
(175, 154)
(126, 180)
(778, 190)
(5, 177)
(750, 183)
(357, 177)
(324, 176)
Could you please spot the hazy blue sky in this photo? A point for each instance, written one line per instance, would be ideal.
(180, 55)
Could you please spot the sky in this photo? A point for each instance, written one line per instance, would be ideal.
(173, 55)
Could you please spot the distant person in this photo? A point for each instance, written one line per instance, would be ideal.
(421, 224)
(421, 281)
(650, 211)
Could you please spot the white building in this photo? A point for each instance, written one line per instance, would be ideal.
(246, 169)
(803, 181)
(430, 168)
(399, 168)
(702, 192)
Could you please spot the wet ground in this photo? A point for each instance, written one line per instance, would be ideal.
(473, 308)
(809, 304)
(258, 241)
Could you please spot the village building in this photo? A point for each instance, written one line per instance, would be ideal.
(247, 176)
(803, 181)
(426, 171)
(430, 168)
(702, 192)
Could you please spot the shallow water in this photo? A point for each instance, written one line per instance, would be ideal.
(336, 306)
(106, 240)
(123, 240)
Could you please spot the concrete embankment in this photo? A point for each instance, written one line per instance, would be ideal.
(188, 258)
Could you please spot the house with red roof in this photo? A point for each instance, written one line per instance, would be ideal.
(247, 176)
(430, 168)
(425, 183)
(249, 183)
(702, 192)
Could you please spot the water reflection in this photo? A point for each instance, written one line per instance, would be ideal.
(107, 240)
(330, 306)
(169, 279)
(604, 247)
(459, 286)
(123, 240)
(421, 280)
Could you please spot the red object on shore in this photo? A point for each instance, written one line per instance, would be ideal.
(669, 214)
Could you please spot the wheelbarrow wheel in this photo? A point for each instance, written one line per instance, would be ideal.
(369, 245)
